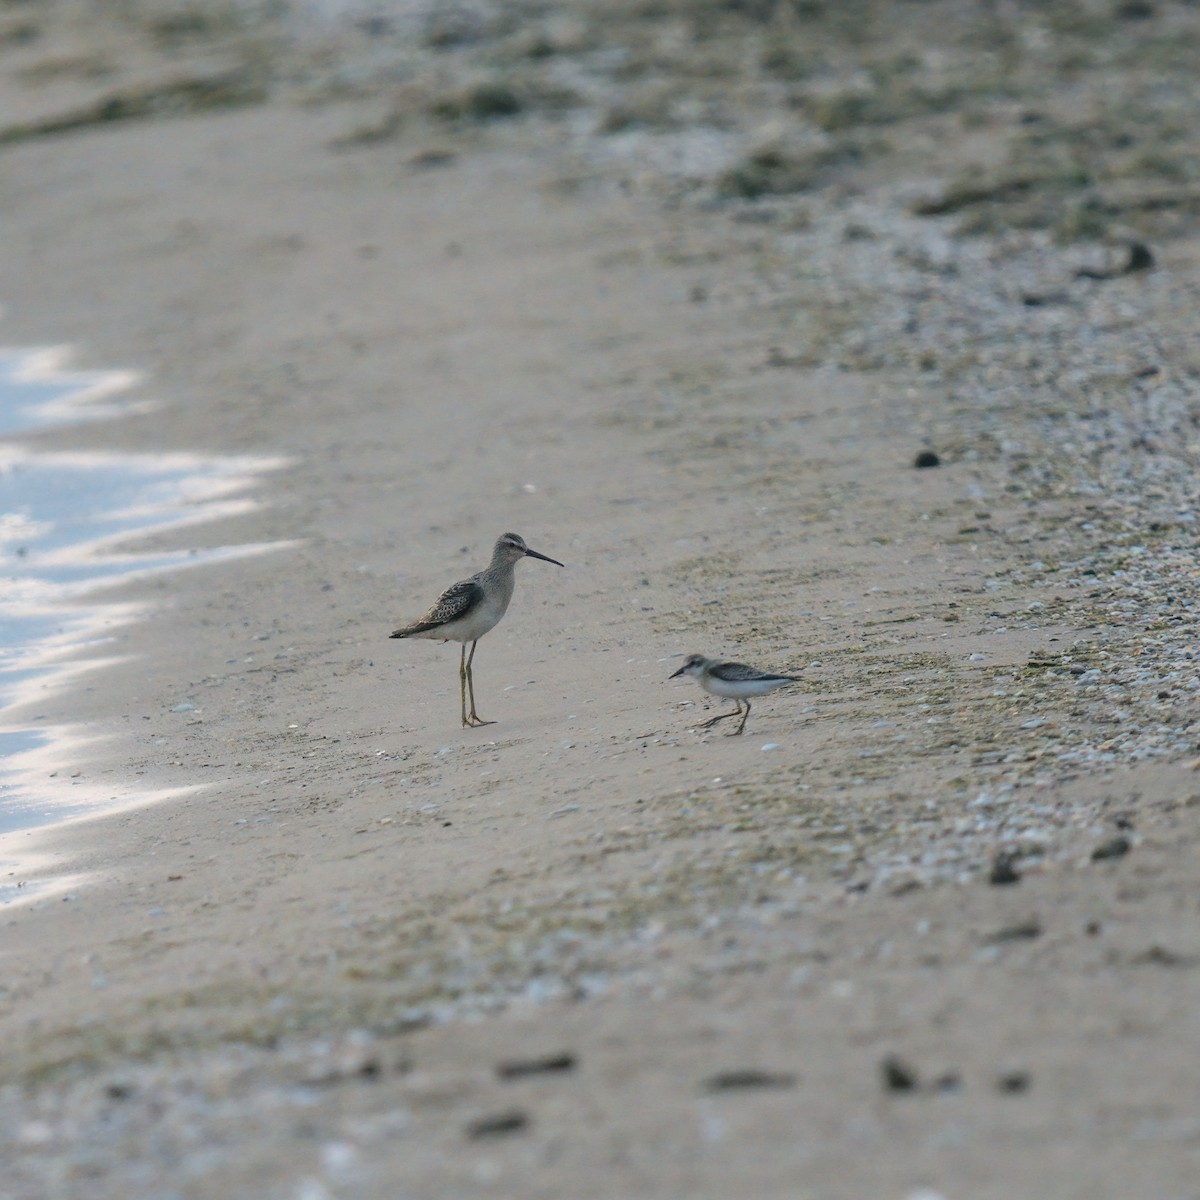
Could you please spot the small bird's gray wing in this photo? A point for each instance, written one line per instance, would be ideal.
(455, 602)
(733, 672)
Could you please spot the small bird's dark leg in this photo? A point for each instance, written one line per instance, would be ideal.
(475, 718)
(462, 683)
(744, 716)
(722, 716)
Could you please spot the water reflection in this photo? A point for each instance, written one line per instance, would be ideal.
(18, 809)
(37, 388)
(66, 519)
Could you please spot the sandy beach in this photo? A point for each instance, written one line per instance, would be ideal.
(927, 929)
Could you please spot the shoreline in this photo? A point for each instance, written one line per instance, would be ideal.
(72, 516)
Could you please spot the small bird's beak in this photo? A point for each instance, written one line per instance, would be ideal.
(676, 674)
(543, 557)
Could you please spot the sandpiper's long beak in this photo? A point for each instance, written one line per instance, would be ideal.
(676, 674)
(543, 557)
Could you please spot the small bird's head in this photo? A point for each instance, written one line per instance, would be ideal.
(511, 548)
(693, 665)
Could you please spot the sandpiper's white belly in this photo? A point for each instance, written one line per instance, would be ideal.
(740, 689)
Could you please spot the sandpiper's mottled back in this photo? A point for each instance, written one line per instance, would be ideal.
(733, 681)
(465, 611)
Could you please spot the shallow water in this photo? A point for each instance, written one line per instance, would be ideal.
(66, 521)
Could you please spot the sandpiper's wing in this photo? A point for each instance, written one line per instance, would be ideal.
(733, 672)
(455, 602)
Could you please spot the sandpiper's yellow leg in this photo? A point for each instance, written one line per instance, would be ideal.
(476, 719)
(462, 684)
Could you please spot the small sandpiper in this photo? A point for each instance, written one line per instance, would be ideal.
(732, 681)
(466, 611)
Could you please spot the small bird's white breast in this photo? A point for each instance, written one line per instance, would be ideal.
(739, 689)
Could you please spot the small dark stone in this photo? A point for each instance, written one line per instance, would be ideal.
(519, 1068)
(1025, 931)
(927, 458)
(1093, 928)
(1140, 257)
(1160, 956)
(489, 100)
(748, 1077)
(499, 1124)
(118, 1091)
(1039, 299)
(1004, 870)
(1115, 847)
(1012, 1082)
(898, 1076)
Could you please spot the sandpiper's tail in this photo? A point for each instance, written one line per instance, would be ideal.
(413, 630)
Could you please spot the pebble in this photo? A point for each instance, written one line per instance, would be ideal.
(499, 1124)
(1004, 870)
(747, 1078)
(898, 1076)
(550, 1064)
(1013, 1082)
(1115, 847)
(1023, 931)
